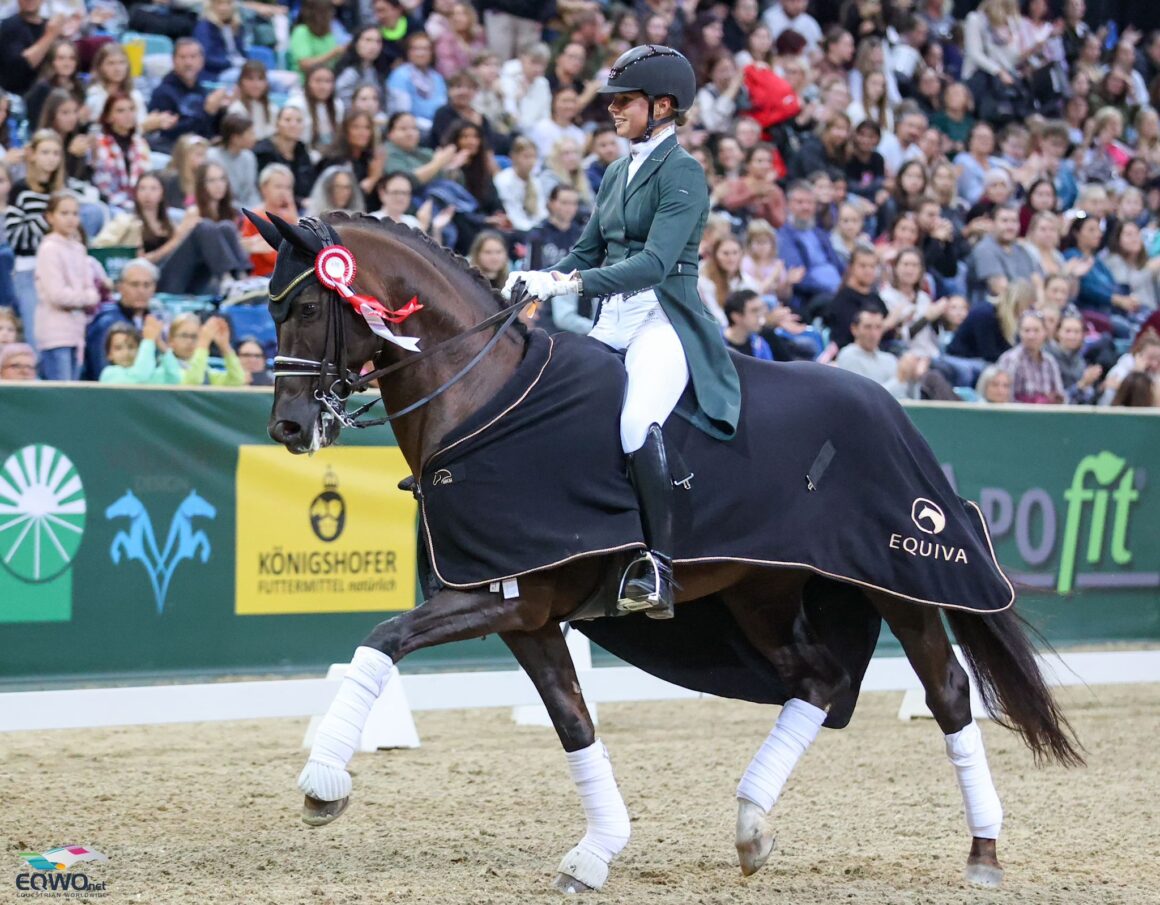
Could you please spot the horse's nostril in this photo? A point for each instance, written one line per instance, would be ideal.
(285, 431)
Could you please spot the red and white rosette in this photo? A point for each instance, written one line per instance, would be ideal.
(335, 268)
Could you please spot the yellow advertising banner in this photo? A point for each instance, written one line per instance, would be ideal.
(327, 533)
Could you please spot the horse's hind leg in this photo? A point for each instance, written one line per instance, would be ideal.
(768, 607)
(448, 616)
(544, 656)
(924, 640)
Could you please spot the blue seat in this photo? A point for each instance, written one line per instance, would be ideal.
(252, 320)
(175, 304)
(154, 44)
(263, 55)
(158, 45)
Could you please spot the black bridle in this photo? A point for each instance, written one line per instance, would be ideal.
(336, 382)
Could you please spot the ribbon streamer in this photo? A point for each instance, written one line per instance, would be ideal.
(335, 268)
(375, 321)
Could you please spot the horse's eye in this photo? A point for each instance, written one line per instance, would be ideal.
(310, 309)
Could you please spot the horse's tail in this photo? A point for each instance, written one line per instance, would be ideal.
(1014, 693)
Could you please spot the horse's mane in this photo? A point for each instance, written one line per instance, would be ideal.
(419, 241)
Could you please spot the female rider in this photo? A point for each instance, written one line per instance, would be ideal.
(638, 257)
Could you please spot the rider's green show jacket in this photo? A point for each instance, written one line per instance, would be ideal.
(646, 235)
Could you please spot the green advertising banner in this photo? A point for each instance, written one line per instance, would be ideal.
(152, 531)
(158, 531)
(1071, 499)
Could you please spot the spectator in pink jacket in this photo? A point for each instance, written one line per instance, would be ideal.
(68, 288)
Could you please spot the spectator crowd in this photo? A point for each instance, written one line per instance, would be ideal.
(961, 202)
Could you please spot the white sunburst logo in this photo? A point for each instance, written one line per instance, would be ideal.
(42, 512)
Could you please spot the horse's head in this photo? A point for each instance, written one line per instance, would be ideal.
(322, 341)
(356, 308)
(125, 506)
(194, 506)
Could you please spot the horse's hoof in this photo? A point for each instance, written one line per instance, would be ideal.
(570, 885)
(581, 871)
(755, 841)
(989, 876)
(983, 864)
(320, 813)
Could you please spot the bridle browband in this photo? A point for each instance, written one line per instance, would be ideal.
(342, 381)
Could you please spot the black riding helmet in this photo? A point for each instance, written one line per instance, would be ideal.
(655, 71)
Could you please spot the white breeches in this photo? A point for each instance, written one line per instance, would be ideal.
(655, 360)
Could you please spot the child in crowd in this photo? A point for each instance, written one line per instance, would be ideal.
(186, 362)
(762, 266)
(131, 355)
(24, 219)
(10, 331)
(69, 285)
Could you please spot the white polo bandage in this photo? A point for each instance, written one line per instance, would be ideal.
(325, 776)
(795, 730)
(980, 800)
(608, 827)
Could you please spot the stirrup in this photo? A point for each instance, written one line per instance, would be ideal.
(655, 603)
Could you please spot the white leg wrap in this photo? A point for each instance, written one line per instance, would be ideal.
(608, 826)
(980, 800)
(324, 776)
(795, 730)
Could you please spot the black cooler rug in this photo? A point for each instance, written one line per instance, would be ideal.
(826, 473)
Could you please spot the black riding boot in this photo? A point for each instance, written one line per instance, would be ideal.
(648, 582)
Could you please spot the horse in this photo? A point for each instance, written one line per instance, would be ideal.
(465, 326)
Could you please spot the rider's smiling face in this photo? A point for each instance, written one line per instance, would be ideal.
(630, 112)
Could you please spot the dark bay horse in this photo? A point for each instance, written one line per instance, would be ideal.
(323, 343)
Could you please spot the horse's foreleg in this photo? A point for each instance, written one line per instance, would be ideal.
(544, 656)
(948, 695)
(448, 616)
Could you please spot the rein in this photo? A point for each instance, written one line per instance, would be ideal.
(345, 382)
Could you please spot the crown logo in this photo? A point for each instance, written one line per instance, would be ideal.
(330, 479)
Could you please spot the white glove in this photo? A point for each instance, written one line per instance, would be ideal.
(510, 283)
(540, 284)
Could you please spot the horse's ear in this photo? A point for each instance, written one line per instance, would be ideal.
(268, 231)
(302, 239)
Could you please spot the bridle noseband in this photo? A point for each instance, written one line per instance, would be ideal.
(336, 382)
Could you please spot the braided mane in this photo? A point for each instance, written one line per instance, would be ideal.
(419, 241)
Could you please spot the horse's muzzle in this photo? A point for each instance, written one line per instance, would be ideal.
(291, 435)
